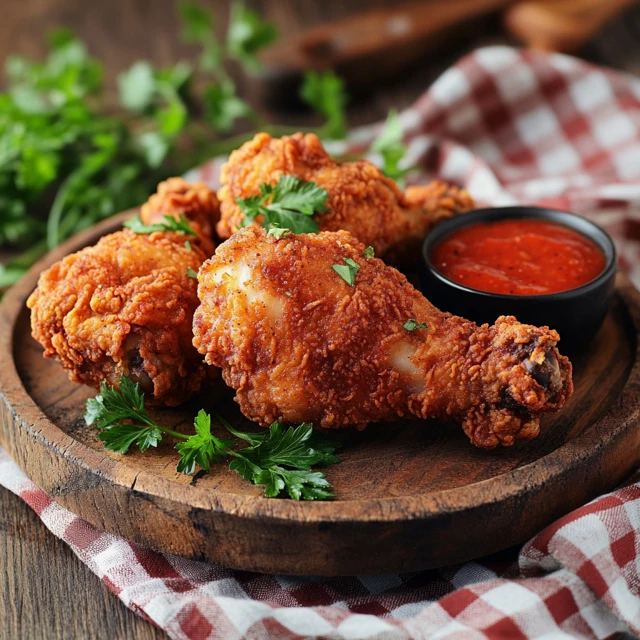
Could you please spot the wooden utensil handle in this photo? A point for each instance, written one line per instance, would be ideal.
(372, 42)
(560, 26)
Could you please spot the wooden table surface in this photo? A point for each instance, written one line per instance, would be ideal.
(45, 591)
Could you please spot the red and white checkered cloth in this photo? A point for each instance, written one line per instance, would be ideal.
(512, 126)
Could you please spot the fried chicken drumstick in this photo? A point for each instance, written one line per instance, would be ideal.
(124, 306)
(195, 201)
(298, 343)
(362, 200)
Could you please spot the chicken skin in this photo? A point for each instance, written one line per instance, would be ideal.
(299, 343)
(195, 201)
(362, 200)
(124, 306)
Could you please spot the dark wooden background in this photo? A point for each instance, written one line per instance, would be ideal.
(45, 591)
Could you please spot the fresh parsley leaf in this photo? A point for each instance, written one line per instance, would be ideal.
(154, 146)
(60, 38)
(156, 94)
(211, 56)
(265, 463)
(120, 437)
(287, 205)
(191, 273)
(347, 271)
(253, 439)
(172, 118)
(291, 220)
(369, 252)
(247, 34)
(290, 448)
(203, 448)
(412, 325)
(113, 405)
(121, 418)
(276, 232)
(180, 225)
(197, 22)
(390, 146)
(306, 485)
(137, 86)
(325, 93)
(297, 195)
(223, 107)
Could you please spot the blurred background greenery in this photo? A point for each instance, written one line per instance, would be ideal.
(101, 101)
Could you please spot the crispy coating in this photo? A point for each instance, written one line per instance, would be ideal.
(124, 306)
(362, 200)
(195, 201)
(298, 343)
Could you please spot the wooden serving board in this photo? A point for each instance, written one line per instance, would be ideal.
(409, 495)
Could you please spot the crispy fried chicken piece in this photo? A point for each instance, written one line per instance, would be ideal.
(362, 200)
(124, 306)
(298, 343)
(195, 201)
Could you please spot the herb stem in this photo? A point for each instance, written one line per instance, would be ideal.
(175, 434)
(55, 214)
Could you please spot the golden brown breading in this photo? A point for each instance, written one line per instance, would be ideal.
(195, 201)
(124, 306)
(298, 343)
(362, 200)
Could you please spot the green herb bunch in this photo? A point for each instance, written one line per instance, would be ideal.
(280, 459)
(69, 159)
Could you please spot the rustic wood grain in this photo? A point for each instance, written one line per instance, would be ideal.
(37, 570)
(118, 32)
(413, 488)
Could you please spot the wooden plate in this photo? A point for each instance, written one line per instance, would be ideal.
(410, 495)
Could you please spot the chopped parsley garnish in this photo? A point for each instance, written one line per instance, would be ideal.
(170, 224)
(276, 232)
(412, 325)
(368, 253)
(187, 245)
(191, 273)
(347, 271)
(287, 205)
(280, 460)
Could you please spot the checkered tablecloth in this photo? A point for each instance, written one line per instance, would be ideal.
(512, 126)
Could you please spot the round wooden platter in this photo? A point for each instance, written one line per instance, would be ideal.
(409, 495)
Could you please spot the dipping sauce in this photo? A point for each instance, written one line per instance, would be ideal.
(519, 257)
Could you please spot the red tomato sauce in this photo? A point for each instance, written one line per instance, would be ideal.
(519, 257)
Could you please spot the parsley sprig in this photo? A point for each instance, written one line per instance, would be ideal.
(325, 93)
(390, 146)
(287, 205)
(280, 459)
(181, 225)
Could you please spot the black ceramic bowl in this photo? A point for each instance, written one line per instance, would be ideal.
(576, 314)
